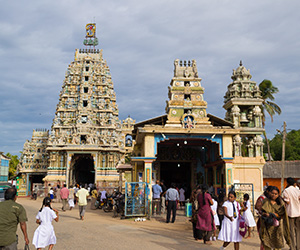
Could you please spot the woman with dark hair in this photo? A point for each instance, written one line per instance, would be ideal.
(44, 235)
(193, 199)
(274, 223)
(220, 209)
(247, 215)
(205, 221)
(230, 227)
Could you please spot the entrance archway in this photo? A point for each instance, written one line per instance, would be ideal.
(83, 170)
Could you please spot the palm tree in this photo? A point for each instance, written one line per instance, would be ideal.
(267, 90)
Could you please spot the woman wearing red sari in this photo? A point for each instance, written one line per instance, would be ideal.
(205, 221)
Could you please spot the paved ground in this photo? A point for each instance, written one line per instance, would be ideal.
(100, 231)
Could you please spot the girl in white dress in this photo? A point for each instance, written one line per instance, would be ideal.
(247, 215)
(216, 218)
(44, 235)
(230, 225)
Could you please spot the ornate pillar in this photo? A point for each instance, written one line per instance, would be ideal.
(237, 142)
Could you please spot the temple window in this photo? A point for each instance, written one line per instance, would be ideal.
(85, 103)
(86, 78)
(187, 83)
(84, 119)
(87, 68)
(85, 89)
(187, 111)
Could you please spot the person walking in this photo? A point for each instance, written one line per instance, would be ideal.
(193, 199)
(156, 191)
(220, 208)
(71, 197)
(34, 192)
(182, 197)
(291, 197)
(172, 197)
(247, 215)
(163, 197)
(11, 214)
(230, 225)
(64, 194)
(274, 227)
(94, 194)
(205, 219)
(44, 235)
(82, 195)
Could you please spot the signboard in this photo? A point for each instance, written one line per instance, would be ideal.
(244, 188)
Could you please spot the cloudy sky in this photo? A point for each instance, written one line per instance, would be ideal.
(140, 41)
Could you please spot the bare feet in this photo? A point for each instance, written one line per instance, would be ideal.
(207, 243)
(248, 237)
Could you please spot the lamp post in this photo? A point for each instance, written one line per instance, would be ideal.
(283, 155)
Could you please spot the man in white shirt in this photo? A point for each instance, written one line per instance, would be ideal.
(291, 196)
(82, 195)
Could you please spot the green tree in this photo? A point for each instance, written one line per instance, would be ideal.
(268, 106)
(292, 146)
(14, 161)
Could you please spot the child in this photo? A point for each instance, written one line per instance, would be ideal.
(230, 225)
(44, 235)
(216, 218)
(247, 215)
(51, 192)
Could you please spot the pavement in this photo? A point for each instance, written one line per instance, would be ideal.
(99, 230)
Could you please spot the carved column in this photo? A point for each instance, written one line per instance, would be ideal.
(237, 142)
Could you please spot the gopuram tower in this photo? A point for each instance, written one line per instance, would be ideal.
(86, 141)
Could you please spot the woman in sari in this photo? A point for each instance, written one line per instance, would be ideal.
(205, 221)
(274, 227)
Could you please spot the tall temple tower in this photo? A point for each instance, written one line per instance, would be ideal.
(242, 102)
(186, 107)
(86, 141)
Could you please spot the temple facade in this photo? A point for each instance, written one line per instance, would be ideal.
(188, 146)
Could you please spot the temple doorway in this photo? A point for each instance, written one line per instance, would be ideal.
(188, 162)
(83, 170)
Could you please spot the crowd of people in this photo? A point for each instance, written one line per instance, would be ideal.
(278, 217)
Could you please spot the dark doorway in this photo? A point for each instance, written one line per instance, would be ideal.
(84, 171)
(178, 173)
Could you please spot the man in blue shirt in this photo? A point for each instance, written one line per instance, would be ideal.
(172, 197)
(156, 190)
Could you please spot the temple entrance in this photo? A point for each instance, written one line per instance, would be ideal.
(188, 162)
(83, 170)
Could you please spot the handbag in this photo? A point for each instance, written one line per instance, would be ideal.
(275, 222)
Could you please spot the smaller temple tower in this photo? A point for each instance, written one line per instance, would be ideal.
(34, 161)
(242, 102)
(186, 107)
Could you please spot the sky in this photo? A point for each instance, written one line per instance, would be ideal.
(140, 41)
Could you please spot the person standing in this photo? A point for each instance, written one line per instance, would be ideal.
(291, 197)
(64, 194)
(44, 235)
(14, 214)
(163, 197)
(172, 198)
(34, 192)
(156, 190)
(193, 199)
(205, 219)
(82, 195)
(182, 197)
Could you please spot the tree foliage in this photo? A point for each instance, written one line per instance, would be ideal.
(292, 146)
(12, 164)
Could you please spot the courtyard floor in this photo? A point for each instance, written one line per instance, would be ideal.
(100, 231)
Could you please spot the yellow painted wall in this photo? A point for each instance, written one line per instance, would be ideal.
(227, 146)
(149, 146)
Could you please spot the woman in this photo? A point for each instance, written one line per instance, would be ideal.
(220, 209)
(94, 194)
(274, 223)
(247, 215)
(205, 221)
(193, 200)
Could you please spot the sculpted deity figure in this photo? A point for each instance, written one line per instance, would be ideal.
(258, 142)
(90, 139)
(250, 147)
(235, 112)
(237, 142)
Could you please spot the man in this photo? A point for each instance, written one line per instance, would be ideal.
(163, 196)
(291, 196)
(266, 186)
(34, 192)
(156, 190)
(11, 213)
(82, 195)
(172, 197)
(64, 195)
